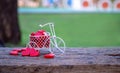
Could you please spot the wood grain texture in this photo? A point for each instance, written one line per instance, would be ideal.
(75, 60)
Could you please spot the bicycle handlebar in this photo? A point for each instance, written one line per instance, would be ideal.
(42, 25)
(51, 25)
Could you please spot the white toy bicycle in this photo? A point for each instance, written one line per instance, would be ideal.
(51, 42)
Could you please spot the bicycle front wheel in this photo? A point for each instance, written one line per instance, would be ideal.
(57, 45)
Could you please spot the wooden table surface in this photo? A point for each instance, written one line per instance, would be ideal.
(75, 60)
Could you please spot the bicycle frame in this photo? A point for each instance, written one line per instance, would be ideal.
(54, 44)
(51, 26)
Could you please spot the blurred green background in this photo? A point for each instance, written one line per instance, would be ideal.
(77, 30)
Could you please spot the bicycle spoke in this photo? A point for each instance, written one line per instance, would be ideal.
(59, 43)
(60, 49)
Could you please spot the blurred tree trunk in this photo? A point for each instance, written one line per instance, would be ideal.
(9, 27)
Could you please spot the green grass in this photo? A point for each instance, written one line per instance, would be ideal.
(77, 30)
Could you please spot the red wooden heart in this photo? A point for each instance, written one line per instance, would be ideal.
(26, 52)
(34, 53)
(16, 49)
(13, 52)
(49, 56)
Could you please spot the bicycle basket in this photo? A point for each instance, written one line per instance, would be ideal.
(40, 41)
